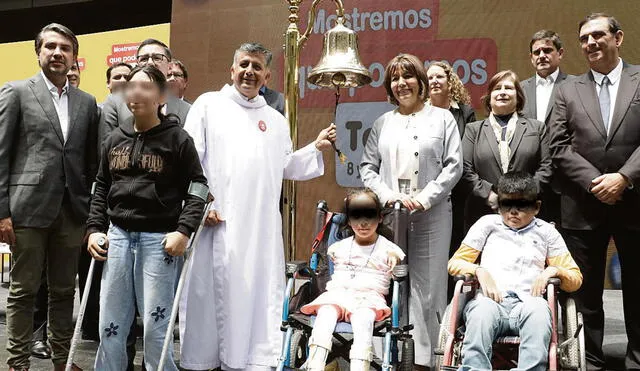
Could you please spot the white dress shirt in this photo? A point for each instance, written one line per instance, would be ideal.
(614, 83)
(61, 102)
(514, 257)
(544, 88)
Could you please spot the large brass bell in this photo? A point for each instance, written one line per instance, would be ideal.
(340, 65)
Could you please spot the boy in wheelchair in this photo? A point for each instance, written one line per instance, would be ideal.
(520, 253)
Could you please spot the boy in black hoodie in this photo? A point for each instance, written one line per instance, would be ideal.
(148, 165)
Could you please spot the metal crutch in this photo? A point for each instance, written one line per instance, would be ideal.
(83, 306)
(192, 244)
(83, 303)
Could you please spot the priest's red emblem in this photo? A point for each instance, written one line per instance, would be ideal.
(262, 125)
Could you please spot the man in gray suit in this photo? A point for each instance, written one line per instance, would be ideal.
(595, 147)
(115, 110)
(178, 79)
(545, 50)
(48, 137)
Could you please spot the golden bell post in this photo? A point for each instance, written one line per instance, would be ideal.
(339, 67)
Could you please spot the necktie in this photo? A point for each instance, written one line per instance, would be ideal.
(605, 102)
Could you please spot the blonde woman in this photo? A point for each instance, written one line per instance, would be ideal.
(447, 91)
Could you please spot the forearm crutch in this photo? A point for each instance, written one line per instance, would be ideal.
(201, 191)
(83, 307)
(83, 302)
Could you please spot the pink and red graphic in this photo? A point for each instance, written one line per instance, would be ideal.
(386, 29)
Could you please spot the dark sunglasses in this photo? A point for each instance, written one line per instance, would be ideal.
(363, 213)
(519, 204)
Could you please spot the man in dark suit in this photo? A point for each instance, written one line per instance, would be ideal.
(545, 51)
(114, 108)
(595, 144)
(274, 98)
(48, 137)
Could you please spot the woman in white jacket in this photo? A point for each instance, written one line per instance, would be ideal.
(413, 155)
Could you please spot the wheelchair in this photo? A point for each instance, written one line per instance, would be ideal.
(566, 348)
(398, 344)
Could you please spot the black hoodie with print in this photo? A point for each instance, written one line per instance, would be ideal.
(143, 179)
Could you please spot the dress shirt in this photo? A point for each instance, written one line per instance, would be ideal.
(614, 83)
(544, 88)
(61, 102)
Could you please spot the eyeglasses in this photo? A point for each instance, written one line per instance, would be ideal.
(520, 204)
(156, 58)
(363, 213)
(175, 75)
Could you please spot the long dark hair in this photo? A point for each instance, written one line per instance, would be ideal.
(157, 77)
(382, 229)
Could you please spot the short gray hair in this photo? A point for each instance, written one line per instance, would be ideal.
(254, 48)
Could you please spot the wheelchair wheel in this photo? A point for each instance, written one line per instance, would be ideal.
(298, 349)
(582, 350)
(443, 336)
(408, 355)
(571, 355)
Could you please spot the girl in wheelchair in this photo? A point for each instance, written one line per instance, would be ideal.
(516, 247)
(363, 266)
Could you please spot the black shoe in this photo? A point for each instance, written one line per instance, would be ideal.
(41, 349)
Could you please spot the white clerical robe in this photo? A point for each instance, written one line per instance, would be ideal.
(230, 310)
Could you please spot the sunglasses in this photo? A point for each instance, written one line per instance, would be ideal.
(519, 204)
(363, 213)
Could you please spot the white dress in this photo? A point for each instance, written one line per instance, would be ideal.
(230, 311)
(360, 278)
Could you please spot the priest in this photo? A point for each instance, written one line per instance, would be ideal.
(230, 310)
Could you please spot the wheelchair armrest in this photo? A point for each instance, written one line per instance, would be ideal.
(554, 281)
(467, 278)
(400, 272)
(296, 266)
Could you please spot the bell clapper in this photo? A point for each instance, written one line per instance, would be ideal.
(343, 158)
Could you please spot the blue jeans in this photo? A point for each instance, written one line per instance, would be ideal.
(486, 320)
(137, 268)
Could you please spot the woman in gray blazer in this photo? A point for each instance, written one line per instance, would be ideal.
(413, 155)
(503, 142)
